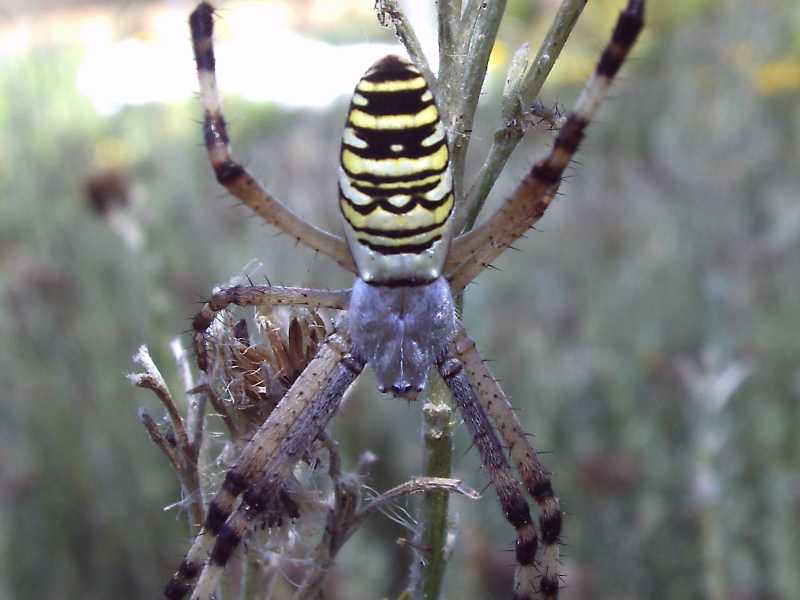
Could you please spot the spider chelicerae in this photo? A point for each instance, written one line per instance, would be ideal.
(397, 201)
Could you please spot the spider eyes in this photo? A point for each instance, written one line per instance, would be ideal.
(403, 389)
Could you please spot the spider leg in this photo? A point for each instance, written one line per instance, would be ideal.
(294, 443)
(258, 295)
(474, 251)
(515, 507)
(229, 172)
(302, 409)
(534, 475)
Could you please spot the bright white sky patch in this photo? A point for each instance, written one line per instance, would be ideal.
(259, 58)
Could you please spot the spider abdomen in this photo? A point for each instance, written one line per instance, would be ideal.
(395, 183)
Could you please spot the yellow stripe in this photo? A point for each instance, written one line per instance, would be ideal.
(424, 117)
(394, 166)
(392, 86)
(420, 238)
(399, 184)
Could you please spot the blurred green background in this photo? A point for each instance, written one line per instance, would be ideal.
(648, 331)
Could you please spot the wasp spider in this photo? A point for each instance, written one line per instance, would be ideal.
(397, 203)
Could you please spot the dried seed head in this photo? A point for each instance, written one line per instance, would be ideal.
(254, 370)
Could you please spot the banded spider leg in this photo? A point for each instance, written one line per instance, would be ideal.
(535, 477)
(472, 252)
(233, 176)
(291, 428)
(308, 422)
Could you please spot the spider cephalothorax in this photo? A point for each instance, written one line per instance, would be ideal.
(401, 331)
(397, 202)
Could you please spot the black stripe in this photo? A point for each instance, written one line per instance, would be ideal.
(518, 514)
(374, 192)
(571, 134)
(610, 62)
(216, 517)
(516, 509)
(405, 249)
(406, 102)
(176, 590)
(526, 550)
(188, 570)
(398, 233)
(551, 528)
(395, 283)
(226, 543)
(383, 138)
(383, 76)
(629, 24)
(201, 23)
(365, 209)
(546, 173)
(542, 490)
(235, 482)
(625, 34)
(379, 153)
(396, 71)
(228, 172)
(411, 138)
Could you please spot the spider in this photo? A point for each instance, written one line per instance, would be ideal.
(397, 203)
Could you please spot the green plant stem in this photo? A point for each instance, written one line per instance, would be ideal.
(513, 128)
(479, 29)
(432, 541)
(449, 12)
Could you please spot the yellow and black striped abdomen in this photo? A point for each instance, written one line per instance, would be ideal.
(395, 184)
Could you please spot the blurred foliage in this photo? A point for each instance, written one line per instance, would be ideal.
(676, 241)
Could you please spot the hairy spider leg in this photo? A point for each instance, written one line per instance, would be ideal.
(258, 295)
(522, 453)
(296, 440)
(512, 501)
(230, 173)
(264, 446)
(474, 251)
